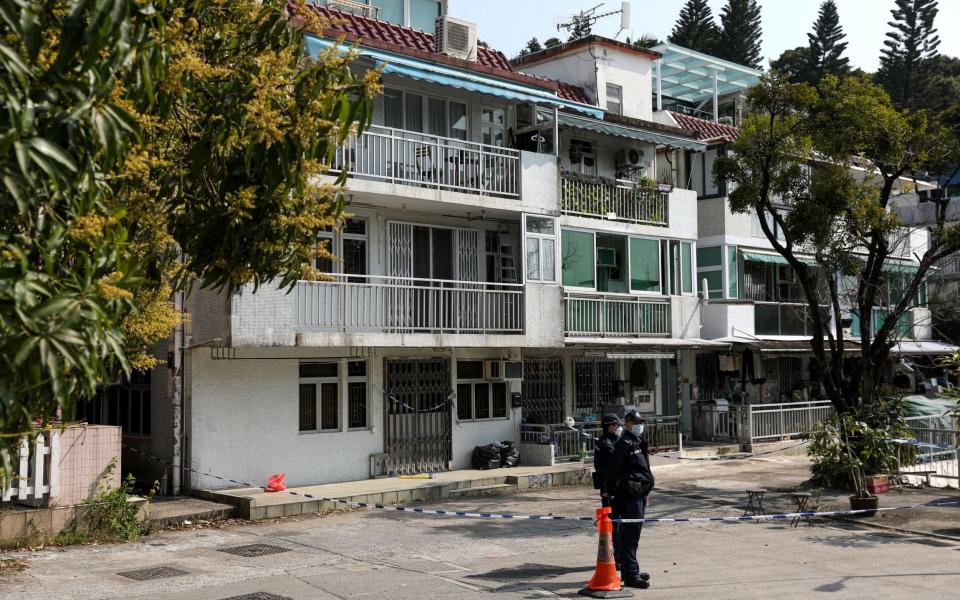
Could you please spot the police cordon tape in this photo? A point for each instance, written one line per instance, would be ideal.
(549, 517)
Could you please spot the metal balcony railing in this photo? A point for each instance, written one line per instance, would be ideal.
(381, 304)
(784, 318)
(619, 202)
(408, 157)
(609, 315)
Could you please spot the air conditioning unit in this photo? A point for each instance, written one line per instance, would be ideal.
(513, 370)
(493, 370)
(629, 159)
(456, 38)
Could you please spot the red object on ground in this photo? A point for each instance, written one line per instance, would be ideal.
(276, 483)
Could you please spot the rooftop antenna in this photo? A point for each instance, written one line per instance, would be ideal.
(586, 18)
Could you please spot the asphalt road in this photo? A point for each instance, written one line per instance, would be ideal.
(370, 554)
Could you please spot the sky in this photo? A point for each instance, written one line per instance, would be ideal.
(507, 24)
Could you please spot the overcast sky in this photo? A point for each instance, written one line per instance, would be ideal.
(507, 24)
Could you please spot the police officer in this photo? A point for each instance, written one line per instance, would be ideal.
(629, 480)
(603, 454)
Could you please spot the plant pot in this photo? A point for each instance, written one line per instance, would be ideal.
(869, 503)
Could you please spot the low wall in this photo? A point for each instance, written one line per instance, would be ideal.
(86, 453)
(30, 523)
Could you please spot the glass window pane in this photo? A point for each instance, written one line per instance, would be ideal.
(499, 400)
(533, 259)
(423, 14)
(541, 225)
(458, 120)
(146, 413)
(709, 257)
(357, 368)
(414, 113)
(437, 114)
(482, 400)
(464, 401)
(714, 283)
(355, 257)
(357, 404)
(390, 10)
(393, 108)
(549, 248)
(324, 263)
(328, 369)
(329, 409)
(355, 226)
(686, 267)
(308, 407)
(644, 265)
(733, 277)
(576, 253)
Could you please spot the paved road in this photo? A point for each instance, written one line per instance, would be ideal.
(369, 554)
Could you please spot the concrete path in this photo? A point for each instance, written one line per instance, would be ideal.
(378, 554)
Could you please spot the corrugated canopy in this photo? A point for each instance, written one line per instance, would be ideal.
(632, 133)
(405, 66)
(688, 75)
(774, 259)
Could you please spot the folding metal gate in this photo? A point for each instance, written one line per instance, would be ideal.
(417, 432)
(543, 390)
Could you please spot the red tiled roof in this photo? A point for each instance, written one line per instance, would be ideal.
(706, 130)
(574, 93)
(412, 39)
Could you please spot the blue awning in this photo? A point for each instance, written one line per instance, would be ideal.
(404, 66)
(632, 133)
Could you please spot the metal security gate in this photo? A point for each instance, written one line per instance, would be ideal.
(594, 383)
(417, 432)
(543, 390)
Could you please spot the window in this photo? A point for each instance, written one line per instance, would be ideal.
(393, 108)
(733, 276)
(413, 112)
(583, 158)
(437, 117)
(686, 268)
(644, 265)
(128, 404)
(614, 99)
(541, 243)
(577, 258)
(329, 388)
(457, 115)
(492, 123)
(349, 244)
(479, 400)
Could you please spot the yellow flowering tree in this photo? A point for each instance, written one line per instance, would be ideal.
(147, 147)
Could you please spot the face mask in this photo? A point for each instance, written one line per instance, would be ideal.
(638, 429)
(618, 431)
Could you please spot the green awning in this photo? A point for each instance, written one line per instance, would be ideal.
(896, 266)
(631, 133)
(774, 259)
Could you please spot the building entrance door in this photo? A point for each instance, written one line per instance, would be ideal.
(418, 431)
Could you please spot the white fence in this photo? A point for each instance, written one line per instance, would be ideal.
(621, 202)
(378, 304)
(759, 422)
(937, 458)
(37, 473)
(661, 433)
(408, 157)
(612, 315)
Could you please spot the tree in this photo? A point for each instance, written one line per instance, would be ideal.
(837, 209)
(793, 64)
(551, 42)
(695, 27)
(581, 27)
(532, 46)
(826, 46)
(912, 40)
(149, 147)
(740, 33)
(644, 42)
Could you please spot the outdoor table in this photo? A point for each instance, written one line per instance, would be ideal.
(800, 499)
(754, 503)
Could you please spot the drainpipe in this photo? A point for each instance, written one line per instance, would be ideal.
(179, 382)
(716, 98)
(659, 87)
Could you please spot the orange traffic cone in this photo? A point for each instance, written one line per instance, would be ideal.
(605, 582)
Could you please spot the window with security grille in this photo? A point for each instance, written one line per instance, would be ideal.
(319, 396)
(308, 407)
(357, 394)
(329, 413)
(481, 400)
(594, 383)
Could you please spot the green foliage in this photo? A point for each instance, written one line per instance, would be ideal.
(912, 41)
(111, 516)
(740, 33)
(850, 447)
(695, 27)
(823, 54)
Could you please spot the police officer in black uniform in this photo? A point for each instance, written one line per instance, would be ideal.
(603, 454)
(629, 480)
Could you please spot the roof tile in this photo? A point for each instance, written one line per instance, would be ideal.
(706, 130)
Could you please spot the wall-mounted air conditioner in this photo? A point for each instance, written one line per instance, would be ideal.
(493, 370)
(629, 159)
(456, 38)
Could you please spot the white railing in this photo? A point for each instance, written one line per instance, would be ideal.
(604, 315)
(380, 304)
(569, 443)
(788, 420)
(408, 157)
(950, 266)
(37, 470)
(621, 202)
(663, 434)
(936, 457)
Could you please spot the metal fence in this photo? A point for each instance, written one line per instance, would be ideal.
(622, 201)
(759, 422)
(936, 459)
(603, 315)
(401, 156)
(574, 443)
(664, 434)
(371, 303)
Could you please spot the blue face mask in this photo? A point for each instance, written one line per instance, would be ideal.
(637, 429)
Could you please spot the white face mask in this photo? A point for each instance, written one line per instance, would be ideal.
(638, 429)
(618, 431)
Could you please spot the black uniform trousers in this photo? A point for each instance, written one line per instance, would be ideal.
(626, 536)
(606, 501)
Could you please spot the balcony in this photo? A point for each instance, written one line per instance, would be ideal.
(784, 318)
(418, 159)
(380, 304)
(610, 315)
(594, 198)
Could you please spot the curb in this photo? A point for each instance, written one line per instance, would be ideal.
(938, 536)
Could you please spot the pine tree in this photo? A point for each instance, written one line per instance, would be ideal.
(740, 34)
(581, 27)
(912, 41)
(826, 46)
(695, 27)
(532, 46)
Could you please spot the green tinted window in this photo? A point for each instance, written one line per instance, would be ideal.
(709, 257)
(732, 275)
(390, 10)
(644, 265)
(423, 14)
(686, 267)
(714, 283)
(578, 264)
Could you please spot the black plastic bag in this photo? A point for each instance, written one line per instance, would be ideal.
(486, 457)
(509, 454)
